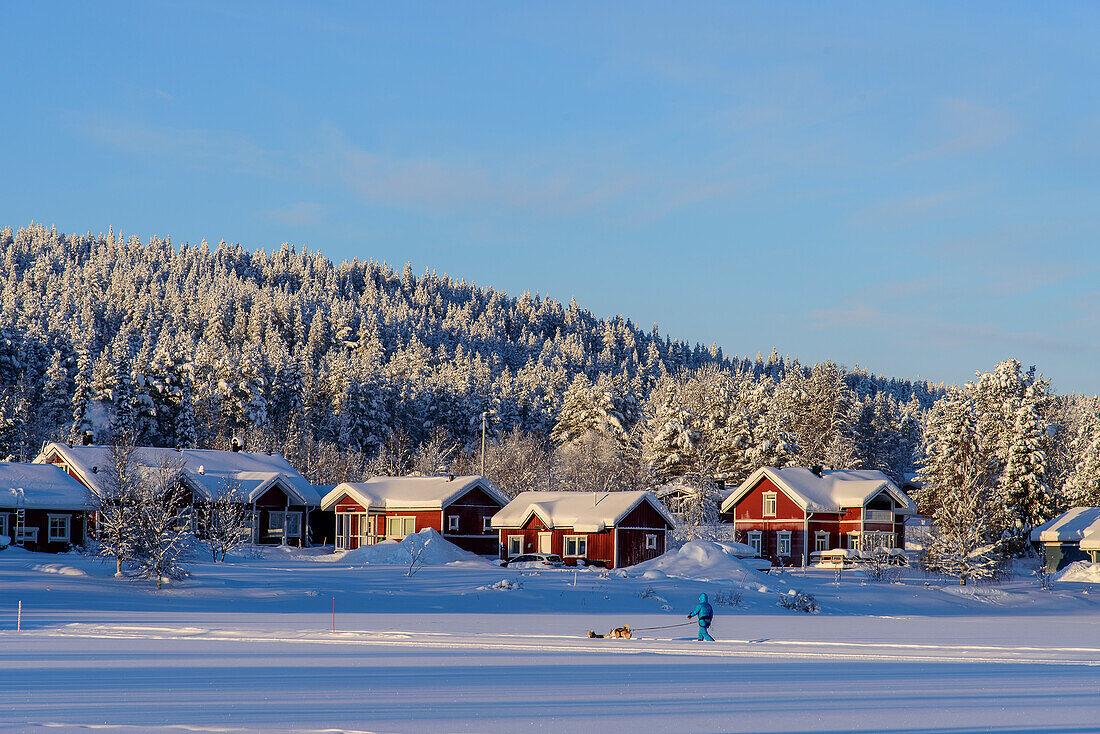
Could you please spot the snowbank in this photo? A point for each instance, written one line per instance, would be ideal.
(1081, 571)
(434, 550)
(60, 569)
(701, 560)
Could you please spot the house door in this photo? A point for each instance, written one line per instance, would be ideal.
(544, 542)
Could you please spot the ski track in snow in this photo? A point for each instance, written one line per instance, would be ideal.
(852, 651)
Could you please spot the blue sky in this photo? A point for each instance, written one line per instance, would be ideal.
(911, 188)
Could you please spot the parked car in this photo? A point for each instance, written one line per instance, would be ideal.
(747, 555)
(536, 560)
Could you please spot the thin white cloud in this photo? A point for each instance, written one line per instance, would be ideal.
(298, 214)
(966, 127)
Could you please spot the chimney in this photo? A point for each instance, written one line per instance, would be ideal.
(817, 469)
(236, 445)
(95, 470)
(86, 439)
(202, 469)
(450, 477)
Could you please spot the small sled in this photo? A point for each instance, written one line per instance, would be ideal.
(619, 633)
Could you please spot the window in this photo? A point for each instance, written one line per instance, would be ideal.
(399, 527)
(515, 545)
(821, 540)
(769, 504)
(784, 537)
(293, 524)
(754, 540)
(59, 528)
(452, 522)
(4, 523)
(487, 524)
(853, 541)
(275, 520)
(576, 546)
(651, 541)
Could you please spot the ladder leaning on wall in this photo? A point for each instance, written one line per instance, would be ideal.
(20, 518)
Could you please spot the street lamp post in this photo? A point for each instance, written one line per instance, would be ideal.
(484, 418)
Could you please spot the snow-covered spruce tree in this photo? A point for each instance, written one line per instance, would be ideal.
(1082, 488)
(224, 523)
(164, 536)
(116, 504)
(670, 444)
(961, 543)
(959, 479)
(1023, 484)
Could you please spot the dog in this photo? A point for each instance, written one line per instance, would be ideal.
(619, 633)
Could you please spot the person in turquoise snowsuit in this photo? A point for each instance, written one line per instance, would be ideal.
(704, 612)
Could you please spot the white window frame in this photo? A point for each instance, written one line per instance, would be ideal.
(515, 545)
(487, 524)
(66, 520)
(772, 498)
(854, 542)
(579, 543)
(4, 524)
(821, 540)
(452, 523)
(651, 541)
(756, 540)
(407, 525)
(783, 542)
(292, 524)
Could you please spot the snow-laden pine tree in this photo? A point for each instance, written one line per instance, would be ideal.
(959, 480)
(1023, 486)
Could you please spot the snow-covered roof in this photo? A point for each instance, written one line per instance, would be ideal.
(427, 493)
(44, 487)
(1071, 526)
(832, 491)
(207, 471)
(585, 512)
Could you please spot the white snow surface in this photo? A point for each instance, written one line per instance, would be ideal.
(409, 492)
(700, 560)
(433, 550)
(44, 487)
(206, 469)
(834, 490)
(584, 512)
(1072, 525)
(249, 646)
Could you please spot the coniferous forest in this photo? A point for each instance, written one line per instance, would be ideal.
(355, 369)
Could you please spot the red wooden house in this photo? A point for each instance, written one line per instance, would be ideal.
(787, 514)
(611, 529)
(283, 502)
(42, 508)
(381, 508)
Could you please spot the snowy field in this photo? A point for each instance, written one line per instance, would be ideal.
(248, 646)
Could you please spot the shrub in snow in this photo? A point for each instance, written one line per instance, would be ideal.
(877, 566)
(727, 598)
(224, 524)
(799, 602)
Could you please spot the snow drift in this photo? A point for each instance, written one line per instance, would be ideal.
(433, 550)
(701, 560)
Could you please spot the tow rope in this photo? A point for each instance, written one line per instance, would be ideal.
(624, 632)
(664, 627)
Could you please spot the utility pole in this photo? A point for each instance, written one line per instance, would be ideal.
(484, 418)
